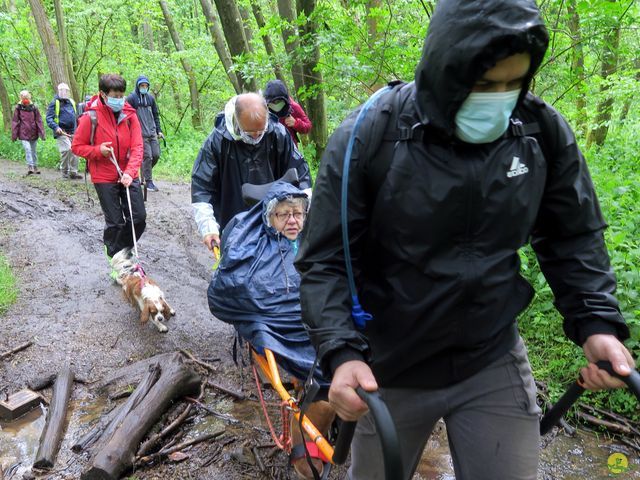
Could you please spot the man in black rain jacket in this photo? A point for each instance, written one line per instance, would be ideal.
(435, 240)
(246, 145)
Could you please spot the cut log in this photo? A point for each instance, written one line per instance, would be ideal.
(133, 373)
(56, 420)
(103, 431)
(118, 454)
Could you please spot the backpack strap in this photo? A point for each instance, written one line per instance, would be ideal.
(57, 117)
(93, 116)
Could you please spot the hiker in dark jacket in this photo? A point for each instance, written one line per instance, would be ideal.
(434, 236)
(147, 109)
(61, 118)
(245, 146)
(26, 126)
(289, 113)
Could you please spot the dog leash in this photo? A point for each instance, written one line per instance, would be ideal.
(133, 229)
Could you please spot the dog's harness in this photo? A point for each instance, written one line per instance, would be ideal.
(137, 269)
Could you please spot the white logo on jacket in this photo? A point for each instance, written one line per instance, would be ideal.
(517, 168)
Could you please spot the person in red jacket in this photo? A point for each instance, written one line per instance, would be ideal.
(289, 113)
(27, 126)
(117, 130)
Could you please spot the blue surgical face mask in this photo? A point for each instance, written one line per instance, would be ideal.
(143, 90)
(116, 104)
(484, 116)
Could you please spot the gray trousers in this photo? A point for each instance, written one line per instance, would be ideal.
(151, 156)
(68, 161)
(30, 152)
(492, 422)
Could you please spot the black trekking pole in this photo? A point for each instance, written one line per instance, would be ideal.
(387, 433)
(553, 415)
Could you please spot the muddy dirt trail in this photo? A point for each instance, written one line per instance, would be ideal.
(75, 315)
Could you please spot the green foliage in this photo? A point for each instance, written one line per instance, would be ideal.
(48, 155)
(8, 289)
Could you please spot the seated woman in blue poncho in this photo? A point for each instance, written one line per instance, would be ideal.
(256, 289)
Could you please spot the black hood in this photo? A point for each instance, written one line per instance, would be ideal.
(277, 90)
(464, 40)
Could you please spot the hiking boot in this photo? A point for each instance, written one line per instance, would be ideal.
(75, 176)
(30, 171)
(152, 187)
(35, 170)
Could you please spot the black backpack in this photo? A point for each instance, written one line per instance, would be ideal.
(389, 122)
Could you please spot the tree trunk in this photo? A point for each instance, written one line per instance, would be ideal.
(186, 65)
(609, 65)
(176, 380)
(49, 44)
(246, 24)
(291, 42)
(313, 78)
(56, 419)
(7, 112)
(627, 103)
(233, 28)
(147, 31)
(217, 37)
(64, 49)
(266, 39)
(577, 66)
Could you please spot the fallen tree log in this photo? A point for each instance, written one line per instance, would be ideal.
(104, 430)
(118, 454)
(55, 423)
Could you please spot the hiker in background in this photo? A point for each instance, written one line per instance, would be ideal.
(289, 113)
(82, 106)
(115, 132)
(27, 127)
(453, 174)
(256, 148)
(147, 110)
(61, 118)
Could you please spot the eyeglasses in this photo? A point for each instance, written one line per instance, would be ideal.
(285, 216)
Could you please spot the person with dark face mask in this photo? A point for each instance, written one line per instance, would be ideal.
(147, 109)
(26, 126)
(245, 146)
(289, 113)
(115, 133)
(480, 168)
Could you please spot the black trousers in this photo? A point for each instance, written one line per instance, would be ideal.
(113, 200)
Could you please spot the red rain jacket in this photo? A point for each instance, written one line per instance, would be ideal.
(125, 137)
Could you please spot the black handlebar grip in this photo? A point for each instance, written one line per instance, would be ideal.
(386, 432)
(343, 442)
(564, 403)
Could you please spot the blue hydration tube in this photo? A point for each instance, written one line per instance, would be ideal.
(360, 317)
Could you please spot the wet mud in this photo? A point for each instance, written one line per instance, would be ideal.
(75, 315)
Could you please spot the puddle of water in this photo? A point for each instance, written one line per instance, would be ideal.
(585, 456)
(435, 463)
(19, 440)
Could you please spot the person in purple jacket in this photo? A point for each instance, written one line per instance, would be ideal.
(27, 126)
